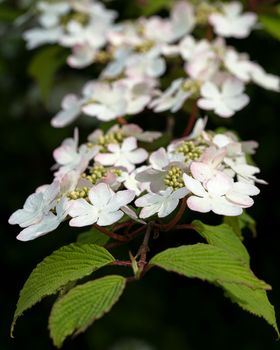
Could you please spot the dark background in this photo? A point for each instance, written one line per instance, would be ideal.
(163, 311)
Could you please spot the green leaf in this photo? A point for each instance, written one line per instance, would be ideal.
(93, 236)
(67, 264)
(209, 263)
(224, 237)
(254, 301)
(271, 24)
(44, 66)
(153, 6)
(84, 304)
(238, 223)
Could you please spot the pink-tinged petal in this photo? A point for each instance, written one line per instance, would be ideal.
(201, 171)
(120, 199)
(201, 205)
(138, 156)
(221, 206)
(106, 158)
(194, 186)
(240, 199)
(219, 184)
(129, 144)
(109, 218)
(100, 195)
(66, 117)
(221, 140)
(114, 148)
(168, 207)
(210, 90)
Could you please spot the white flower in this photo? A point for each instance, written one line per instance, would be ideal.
(150, 64)
(263, 79)
(161, 162)
(162, 203)
(51, 13)
(82, 56)
(103, 207)
(211, 196)
(71, 109)
(125, 155)
(131, 183)
(36, 206)
(173, 98)
(244, 171)
(41, 36)
(232, 23)
(224, 102)
(48, 223)
(117, 65)
(107, 101)
(69, 157)
(238, 65)
(161, 30)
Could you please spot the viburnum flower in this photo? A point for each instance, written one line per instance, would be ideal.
(231, 22)
(48, 223)
(103, 208)
(173, 98)
(225, 101)
(162, 203)
(125, 155)
(219, 194)
(36, 206)
(50, 13)
(69, 157)
(161, 163)
(181, 22)
(71, 109)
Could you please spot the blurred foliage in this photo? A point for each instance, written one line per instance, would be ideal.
(163, 311)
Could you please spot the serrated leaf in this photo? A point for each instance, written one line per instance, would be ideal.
(271, 24)
(84, 304)
(209, 263)
(44, 66)
(254, 301)
(93, 236)
(223, 236)
(67, 264)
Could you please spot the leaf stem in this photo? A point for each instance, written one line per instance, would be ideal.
(175, 220)
(111, 234)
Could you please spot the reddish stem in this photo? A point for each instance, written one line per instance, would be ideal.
(191, 120)
(184, 227)
(121, 120)
(121, 263)
(111, 234)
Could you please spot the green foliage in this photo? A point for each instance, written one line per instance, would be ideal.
(227, 265)
(224, 237)
(209, 263)
(67, 264)
(150, 7)
(84, 304)
(271, 23)
(238, 223)
(254, 301)
(93, 236)
(44, 67)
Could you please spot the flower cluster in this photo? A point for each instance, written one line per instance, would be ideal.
(137, 53)
(111, 177)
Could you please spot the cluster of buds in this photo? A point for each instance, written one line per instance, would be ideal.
(110, 177)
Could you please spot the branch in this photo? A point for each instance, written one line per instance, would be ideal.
(111, 234)
(175, 220)
(192, 119)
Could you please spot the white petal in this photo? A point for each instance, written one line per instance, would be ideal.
(109, 218)
(168, 207)
(219, 184)
(194, 186)
(106, 158)
(201, 171)
(221, 206)
(129, 144)
(120, 199)
(100, 195)
(138, 156)
(201, 205)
